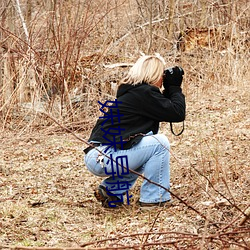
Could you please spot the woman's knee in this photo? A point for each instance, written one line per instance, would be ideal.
(93, 166)
(162, 140)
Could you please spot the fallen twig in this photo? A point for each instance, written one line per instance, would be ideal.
(130, 170)
(246, 216)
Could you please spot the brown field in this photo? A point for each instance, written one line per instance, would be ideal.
(64, 65)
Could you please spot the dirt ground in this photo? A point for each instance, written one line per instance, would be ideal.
(46, 192)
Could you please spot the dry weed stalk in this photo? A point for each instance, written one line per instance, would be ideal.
(52, 64)
(132, 171)
(205, 237)
(222, 239)
(71, 42)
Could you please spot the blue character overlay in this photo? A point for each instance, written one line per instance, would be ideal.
(121, 186)
(121, 166)
(113, 143)
(110, 115)
(120, 161)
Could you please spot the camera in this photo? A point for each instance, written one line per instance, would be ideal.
(171, 70)
(173, 76)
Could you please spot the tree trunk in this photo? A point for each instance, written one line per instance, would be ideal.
(203, 20)
(150, 10)
(6, 66)
(171, 20)
(28, 87)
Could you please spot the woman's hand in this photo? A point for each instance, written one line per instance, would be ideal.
(173, 77)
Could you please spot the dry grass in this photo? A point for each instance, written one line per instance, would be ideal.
(46, 192)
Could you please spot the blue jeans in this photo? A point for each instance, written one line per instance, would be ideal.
(149, 157)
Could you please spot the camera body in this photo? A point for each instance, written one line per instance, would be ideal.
(169, 70)
(172, 69)
(173, 76)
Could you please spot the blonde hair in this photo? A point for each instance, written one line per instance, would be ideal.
(148, 69)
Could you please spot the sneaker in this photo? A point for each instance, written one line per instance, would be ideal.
(101, 194)
(151, 206)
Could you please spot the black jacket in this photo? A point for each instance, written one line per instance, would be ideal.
(141, 107)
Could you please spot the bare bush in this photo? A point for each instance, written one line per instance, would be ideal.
(53, 51)
(60, 57)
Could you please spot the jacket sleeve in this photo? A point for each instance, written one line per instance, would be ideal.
(168, 107)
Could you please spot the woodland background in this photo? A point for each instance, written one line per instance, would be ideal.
(58, 58)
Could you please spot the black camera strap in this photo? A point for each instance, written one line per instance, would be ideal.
(172, 130)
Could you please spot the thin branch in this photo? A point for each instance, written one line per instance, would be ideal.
(217, 191)
(246, 217)
(130, 170)
(115, 65)
(156, 217)
(19, 11)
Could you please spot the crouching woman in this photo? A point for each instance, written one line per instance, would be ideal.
(128, 133)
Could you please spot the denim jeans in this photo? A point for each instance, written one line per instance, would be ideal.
(149, 157)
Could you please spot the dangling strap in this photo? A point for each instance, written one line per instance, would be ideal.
(171, 127)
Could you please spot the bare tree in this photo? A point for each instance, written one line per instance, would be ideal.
(27, 86)
(6, 62)
(171, 19)
(150, 11)
(203, 22)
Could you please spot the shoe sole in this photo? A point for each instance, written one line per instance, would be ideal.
(102, 196)
(161, 205)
